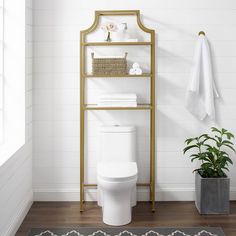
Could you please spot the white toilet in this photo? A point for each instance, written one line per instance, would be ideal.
(117, 174)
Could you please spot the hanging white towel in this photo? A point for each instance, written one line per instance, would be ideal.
(201, 90)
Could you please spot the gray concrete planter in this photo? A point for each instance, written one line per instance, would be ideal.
(212, 195)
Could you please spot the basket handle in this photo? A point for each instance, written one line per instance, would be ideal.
(92, 55)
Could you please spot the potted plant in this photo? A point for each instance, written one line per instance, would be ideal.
(211, 183)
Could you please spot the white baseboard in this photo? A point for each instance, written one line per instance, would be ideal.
(167, 194)
(20, 214)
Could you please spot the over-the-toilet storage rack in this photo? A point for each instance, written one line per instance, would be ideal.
(142, 107)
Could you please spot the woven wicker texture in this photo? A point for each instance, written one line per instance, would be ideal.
(109, 66)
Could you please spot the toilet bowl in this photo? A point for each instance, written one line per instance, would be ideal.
(117, 174)
(117, 186)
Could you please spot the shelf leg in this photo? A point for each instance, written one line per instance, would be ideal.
(81, 160)
(81, 198)
(82, 88)
(152, 124)
(152, 159)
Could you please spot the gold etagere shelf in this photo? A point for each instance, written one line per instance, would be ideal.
(89, 107)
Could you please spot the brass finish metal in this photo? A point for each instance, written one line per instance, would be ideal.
(86, 107)
(90, 185)
(116, 43)
(82, 59)
(152, 121)
(115, 76)
(139, 107)
(201, 32)
(143, 184)
(138, 184)
(82, 67)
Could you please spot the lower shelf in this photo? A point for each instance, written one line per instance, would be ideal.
(138, 184)
(96, 107)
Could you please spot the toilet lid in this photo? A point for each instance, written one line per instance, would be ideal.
(117, 171)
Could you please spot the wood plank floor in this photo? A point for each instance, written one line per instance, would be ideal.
(168, 214)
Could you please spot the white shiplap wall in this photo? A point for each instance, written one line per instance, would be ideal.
(57, 24)
(16, 195)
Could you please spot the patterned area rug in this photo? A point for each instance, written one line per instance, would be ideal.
(138, 231)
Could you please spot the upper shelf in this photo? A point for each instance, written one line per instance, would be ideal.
(125, 13)
(116, 43)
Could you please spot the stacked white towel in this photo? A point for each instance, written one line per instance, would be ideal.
(118, 100)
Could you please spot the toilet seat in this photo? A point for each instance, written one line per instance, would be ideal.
(117, 171)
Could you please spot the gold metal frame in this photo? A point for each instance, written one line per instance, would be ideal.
(86, 107)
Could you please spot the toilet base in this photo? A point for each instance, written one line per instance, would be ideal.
(133, 196)
(116, 201)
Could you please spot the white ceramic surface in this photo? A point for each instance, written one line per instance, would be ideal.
(117, 174)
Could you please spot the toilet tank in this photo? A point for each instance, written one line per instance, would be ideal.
(118, 143)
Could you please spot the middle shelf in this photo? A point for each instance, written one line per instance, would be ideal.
(96, 107)
(114, 76)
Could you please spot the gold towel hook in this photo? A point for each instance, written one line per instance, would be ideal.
(201, 32)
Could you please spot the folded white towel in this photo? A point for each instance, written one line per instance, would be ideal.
(117, 104)
(117, 100)
(119, 96)
(201, 90)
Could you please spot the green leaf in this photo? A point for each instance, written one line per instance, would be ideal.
(189, 147)
(203, 135)
(211, 138)
(207, 145)
(229, 135)
(230, 147)
(224, 131)
(225, 168)
(196, 170)
(224, 153)
(228, 160)
(227, 142)
(194, 158)
(219, 139)
(214, 129)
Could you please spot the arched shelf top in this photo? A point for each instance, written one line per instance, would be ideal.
(98, 14)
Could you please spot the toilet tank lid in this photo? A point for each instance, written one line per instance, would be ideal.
(117, 129)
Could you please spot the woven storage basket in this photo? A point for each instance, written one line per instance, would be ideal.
(109, 66)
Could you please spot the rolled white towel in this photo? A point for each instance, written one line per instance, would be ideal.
(136, 65)
(138, 71)
(132, 71)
